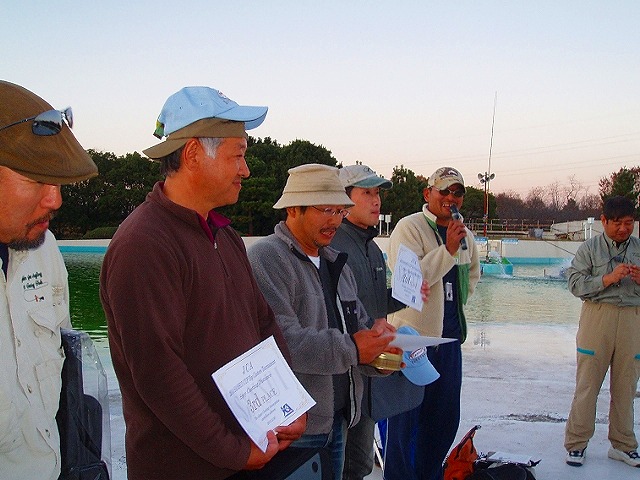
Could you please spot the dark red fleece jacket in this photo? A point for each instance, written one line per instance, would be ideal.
(180, 303)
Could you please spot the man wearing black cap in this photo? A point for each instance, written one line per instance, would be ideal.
(181, 300)
(38, 153)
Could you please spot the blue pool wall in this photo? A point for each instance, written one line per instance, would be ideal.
(520, 252)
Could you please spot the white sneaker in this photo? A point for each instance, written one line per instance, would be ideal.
(630, 458)
(575, 458)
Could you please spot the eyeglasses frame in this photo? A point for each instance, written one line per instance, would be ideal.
(330, 212)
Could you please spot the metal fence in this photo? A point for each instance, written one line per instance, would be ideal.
(527, 227)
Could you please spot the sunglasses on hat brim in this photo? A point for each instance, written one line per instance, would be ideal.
(47, 123)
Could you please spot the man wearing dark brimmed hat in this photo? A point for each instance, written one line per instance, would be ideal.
(419, 440)
(181, 300)
(314, 296)
(38, 153)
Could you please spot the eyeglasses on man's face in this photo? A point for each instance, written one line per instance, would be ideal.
(47, 123)
(459, 193)
(331, 212)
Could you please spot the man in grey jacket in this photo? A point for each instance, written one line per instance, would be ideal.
(355, 237)
(313, 294)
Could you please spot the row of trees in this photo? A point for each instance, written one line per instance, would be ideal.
(94, 208)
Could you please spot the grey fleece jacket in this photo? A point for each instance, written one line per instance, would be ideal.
(291, 284)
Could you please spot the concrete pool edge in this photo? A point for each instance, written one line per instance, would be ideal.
(522, 252)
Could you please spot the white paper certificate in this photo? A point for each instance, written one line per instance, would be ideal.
(409, 343)
(407, 279)
(262, 391)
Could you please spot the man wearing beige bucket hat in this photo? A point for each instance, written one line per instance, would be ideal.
(181, 300)
(314, 296)
(38, 153)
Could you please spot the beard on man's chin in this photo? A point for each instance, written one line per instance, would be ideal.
(26, 244)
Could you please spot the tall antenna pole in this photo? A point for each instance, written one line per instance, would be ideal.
(493, 122)
(488, 176)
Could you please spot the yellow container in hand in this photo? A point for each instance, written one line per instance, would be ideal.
(387, 361)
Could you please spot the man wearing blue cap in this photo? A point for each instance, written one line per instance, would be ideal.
(181, 301)
(419, 440)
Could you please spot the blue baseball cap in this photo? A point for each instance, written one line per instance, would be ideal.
(419, 369)
(363, 177)
(201, 112)
(191, 104)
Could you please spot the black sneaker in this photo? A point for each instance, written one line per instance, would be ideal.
(575, 458)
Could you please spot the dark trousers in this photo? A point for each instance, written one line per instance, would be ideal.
(418, 440)
(358, 453)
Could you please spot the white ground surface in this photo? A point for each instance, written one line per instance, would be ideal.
(518, 385)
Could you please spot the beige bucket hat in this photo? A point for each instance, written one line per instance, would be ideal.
(313, 184)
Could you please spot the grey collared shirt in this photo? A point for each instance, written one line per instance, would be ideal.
(597, 257)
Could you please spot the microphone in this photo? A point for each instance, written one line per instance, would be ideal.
(455, 214)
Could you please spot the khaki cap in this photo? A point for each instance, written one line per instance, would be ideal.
(444, 177)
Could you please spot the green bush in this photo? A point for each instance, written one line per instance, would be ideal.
(100, 233)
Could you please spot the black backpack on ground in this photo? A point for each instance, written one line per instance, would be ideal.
(503, 471)
(79, 418)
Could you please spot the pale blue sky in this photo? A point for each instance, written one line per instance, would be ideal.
(382, 82)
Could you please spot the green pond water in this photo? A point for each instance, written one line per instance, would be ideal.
(534, 295)
(84, 283)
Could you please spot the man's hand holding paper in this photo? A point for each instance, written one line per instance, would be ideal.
(407, 285)
(371, 343)
(264, 394)
(289, 433)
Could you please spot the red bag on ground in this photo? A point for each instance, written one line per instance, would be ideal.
(459, 463)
